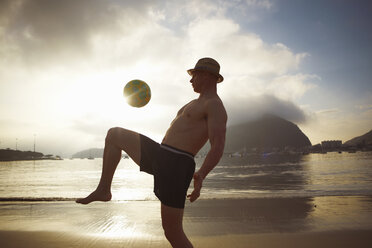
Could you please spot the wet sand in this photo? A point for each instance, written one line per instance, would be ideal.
(339, 239)
(271, 222)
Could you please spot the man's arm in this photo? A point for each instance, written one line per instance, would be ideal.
(217, 119)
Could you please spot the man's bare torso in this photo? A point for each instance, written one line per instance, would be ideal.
(189, 130)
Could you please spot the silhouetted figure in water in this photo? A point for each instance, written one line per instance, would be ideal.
(172, 161)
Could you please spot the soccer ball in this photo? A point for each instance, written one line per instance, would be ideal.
(137, 93)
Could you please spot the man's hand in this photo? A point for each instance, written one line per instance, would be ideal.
(198, 183)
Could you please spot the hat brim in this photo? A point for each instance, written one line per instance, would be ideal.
(219, 76)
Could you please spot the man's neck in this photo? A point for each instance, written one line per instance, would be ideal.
(208, 92)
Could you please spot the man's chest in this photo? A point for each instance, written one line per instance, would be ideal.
(195, 111)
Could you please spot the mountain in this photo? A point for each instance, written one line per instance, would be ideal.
(92, 152)
(265, 133)
(365, 139)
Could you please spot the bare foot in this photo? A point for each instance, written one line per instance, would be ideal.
(95, 196)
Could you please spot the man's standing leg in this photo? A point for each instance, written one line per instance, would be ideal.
(172, 225)
(117, 139)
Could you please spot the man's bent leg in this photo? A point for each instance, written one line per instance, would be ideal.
(117, 139)
(173, 229)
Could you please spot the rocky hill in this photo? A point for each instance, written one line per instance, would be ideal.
(365, 139)
(265, 133)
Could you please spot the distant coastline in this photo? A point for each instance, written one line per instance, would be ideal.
(17, 155)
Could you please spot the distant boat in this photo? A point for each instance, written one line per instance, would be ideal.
(51, 157)
(90, 155)
(236, 154)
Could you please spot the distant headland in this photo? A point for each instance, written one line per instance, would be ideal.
(268, 134)
(17, 155)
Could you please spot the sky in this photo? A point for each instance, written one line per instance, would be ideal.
(63, 66)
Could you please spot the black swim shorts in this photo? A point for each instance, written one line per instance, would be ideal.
(172, 169)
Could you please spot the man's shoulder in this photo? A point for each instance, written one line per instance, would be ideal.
(215, 104)
(215, 100)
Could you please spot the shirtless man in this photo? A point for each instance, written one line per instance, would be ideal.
(172, 161)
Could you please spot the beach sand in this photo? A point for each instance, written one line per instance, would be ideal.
(269, 222)
(339, 239)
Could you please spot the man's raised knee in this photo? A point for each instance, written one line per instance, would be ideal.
(112, 133)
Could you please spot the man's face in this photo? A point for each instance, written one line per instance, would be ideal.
(198, 80)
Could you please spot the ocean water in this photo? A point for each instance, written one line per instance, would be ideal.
(331, 174)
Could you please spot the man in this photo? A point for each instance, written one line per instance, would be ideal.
(172, 161)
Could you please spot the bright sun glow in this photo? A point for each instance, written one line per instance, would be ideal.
(102, 94)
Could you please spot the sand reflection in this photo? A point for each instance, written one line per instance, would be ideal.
(140, 220)
(341, 212)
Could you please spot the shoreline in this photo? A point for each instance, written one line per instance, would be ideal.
(226, 154)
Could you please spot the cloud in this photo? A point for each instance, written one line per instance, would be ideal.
(43, 31)
(291, 86)
(240, 111)
(328, 111)
(72, 58)
(91, 125)
(266, 4)
(364, 106)
(122, 35)
(240, 53)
